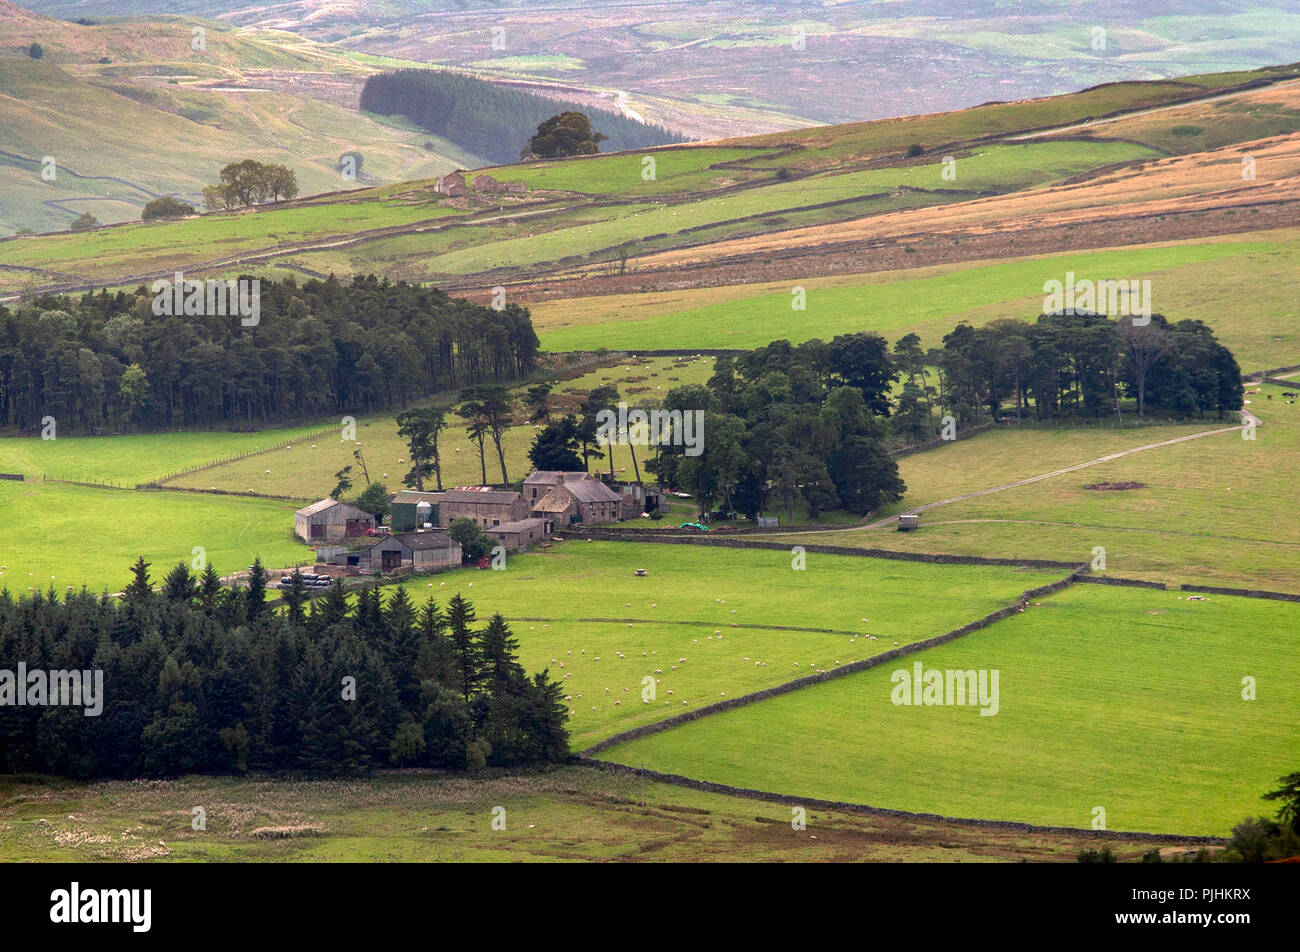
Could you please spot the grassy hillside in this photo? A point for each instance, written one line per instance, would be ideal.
(101, 92)
(567, 815)
(705, 200)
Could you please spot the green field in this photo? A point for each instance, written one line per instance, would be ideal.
(61, 536)
(585, 597)
(132, 458)
(1121, 698)
(1207, 513)
(1189, 280)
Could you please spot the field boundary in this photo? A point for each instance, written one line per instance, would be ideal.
(1243, 592)
(748, 793)
(852, 667)
(681, 537)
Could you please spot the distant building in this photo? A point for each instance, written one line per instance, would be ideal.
(330, 520)
(452, 184)
(487, 183)
(909, 522)
(414, 551)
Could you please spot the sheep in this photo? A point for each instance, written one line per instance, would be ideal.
(681, 660)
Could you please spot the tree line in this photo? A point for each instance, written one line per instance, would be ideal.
(198, 677)
(487, 119)
(1070, 365)
(106, 361)
(812, 426)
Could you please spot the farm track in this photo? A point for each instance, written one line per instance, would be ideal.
(892, 520)
(1152, 110)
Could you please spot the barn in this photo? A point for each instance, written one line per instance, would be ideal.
(413, 551)
(411, 510)
(484, 505)
(523, 533)
(330, 520)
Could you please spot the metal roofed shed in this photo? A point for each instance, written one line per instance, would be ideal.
(909, 522)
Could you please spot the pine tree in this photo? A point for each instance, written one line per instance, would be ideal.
(465, 650)
(256, 595)
(209, 587)
(140, 591)
(178, 586)
(295, 597)
(330, 610)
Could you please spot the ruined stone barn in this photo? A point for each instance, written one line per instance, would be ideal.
(330, 520)
(486, 506)
(489, 184)
(451, 184)
(413, 551)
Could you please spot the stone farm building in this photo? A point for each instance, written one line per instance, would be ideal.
(414, 551)
(452, 184)
(486, 183)
(486, 506)
(540, 482)
(520, 535)
(586, 501)
(330, 520)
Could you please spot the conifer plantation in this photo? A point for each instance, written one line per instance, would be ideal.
(203, 678)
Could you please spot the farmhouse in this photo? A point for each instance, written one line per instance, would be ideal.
(414, 551)
(540, 482)
(330, 520)
(487, 506)
(520, 535)
(411, 510)
(586, 501)
(452, 184)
